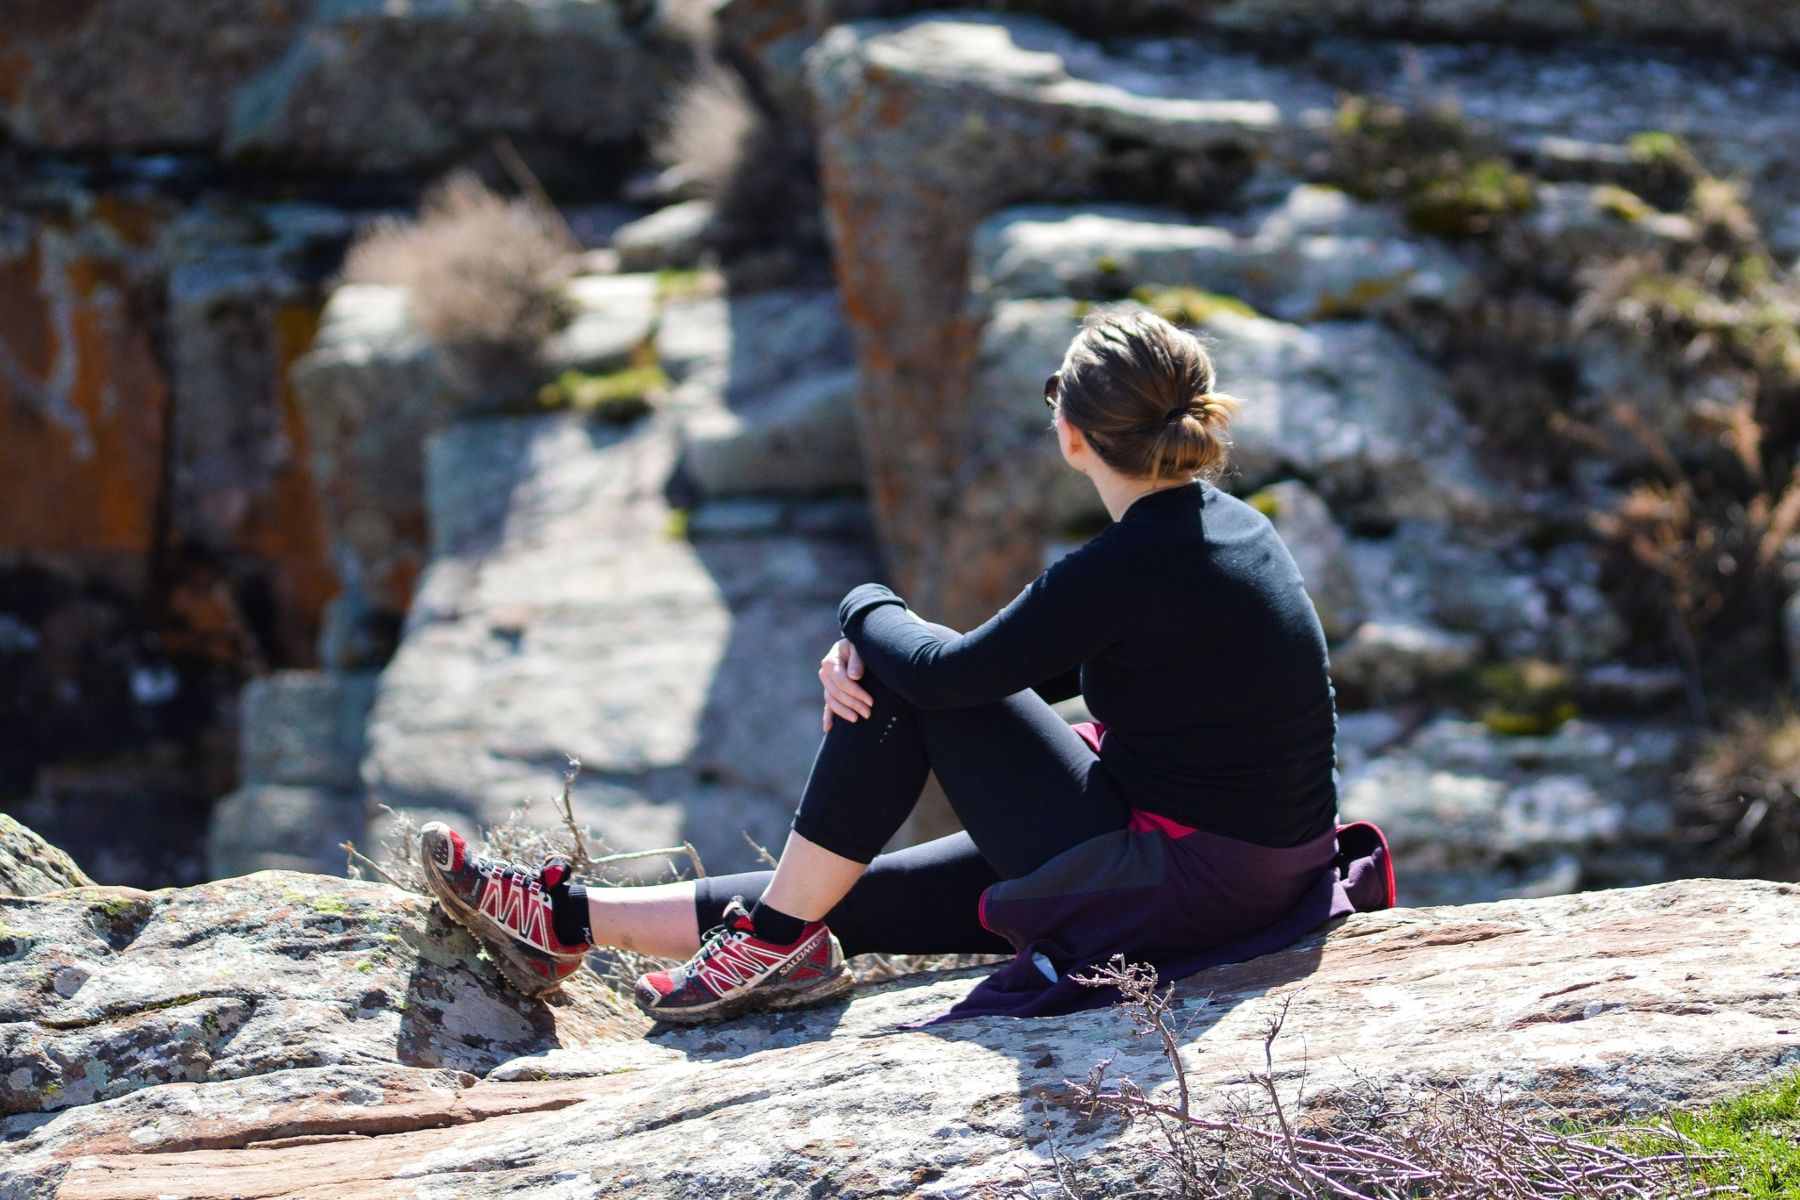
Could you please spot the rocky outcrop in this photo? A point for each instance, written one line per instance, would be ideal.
(243, 302)
(1317, 255)
(301, 737)
(574, 606)
(107, 991)
(347, 86)
(83, 396)
(372, 387)
(1598, 1005)
(1473, 816)
(1743, 24)
(96, 75)
(926, 128)
(30, 866)
(932, 125)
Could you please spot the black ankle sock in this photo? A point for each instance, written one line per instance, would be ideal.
(569, 914)
(773, 925)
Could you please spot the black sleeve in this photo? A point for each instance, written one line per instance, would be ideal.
(1064, 617)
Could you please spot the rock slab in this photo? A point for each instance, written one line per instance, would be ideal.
(1597, 1004)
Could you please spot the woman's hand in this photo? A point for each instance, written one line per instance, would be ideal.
(839, 670)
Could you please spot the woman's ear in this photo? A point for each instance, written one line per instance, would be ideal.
(1070, 439)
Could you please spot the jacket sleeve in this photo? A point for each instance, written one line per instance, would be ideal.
(1064, 617)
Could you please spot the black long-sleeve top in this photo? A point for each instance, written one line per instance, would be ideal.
(1196, 646)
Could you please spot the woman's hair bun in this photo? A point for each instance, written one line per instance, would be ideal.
(1131, 381)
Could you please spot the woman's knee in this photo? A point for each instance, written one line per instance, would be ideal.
(881, 693)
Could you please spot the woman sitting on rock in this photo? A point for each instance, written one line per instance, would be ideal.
(1193, 822)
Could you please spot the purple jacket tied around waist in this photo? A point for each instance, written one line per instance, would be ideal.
(1180, 901)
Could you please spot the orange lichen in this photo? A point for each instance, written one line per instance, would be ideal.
(285, 526)
(81, 452)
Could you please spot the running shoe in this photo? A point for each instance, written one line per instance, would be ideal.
(505, 905)
(736, 972)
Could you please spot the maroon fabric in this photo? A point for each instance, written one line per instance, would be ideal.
(1179, 898)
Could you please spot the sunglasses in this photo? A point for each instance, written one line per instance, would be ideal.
(1051, 387)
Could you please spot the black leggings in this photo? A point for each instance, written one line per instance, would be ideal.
(1024, 784)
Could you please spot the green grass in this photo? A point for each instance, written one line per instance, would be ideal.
(617, 398)
(1753, 1141)
(1190, 306)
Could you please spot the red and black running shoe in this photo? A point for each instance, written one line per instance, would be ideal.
(736, 972)
(503, 904)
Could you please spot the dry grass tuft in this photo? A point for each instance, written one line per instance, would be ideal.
(1712, 491)
(759, 172)
(1740, 797)
(482, 270)
(1367, 1143)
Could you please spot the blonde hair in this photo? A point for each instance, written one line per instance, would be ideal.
(1141, 391)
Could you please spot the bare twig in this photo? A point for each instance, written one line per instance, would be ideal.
(565, 808)
(1449, 1143)
(762, 853)
(354, 856)
(661, 852)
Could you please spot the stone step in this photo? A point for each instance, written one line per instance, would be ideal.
(1315, 256)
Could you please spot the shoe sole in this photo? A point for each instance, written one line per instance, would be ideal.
(767, 999)
(512, 961)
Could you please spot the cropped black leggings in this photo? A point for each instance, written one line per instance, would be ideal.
(1024, 784)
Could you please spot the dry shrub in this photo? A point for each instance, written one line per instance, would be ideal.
(759, 171)
(1701, 530)
(1740, 797)
(1698, 550)
(1368, 1142)
(481, 270)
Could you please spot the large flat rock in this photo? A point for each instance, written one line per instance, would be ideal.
(104, 991)
(1597, 1004)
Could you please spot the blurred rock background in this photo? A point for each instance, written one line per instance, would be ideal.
(398, 399)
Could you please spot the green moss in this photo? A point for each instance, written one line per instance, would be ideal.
(678, 525)
(364, 966)
(1622, 204)
(1451, 179)
(617, 398)
(1750, 273)
(335, 905)
(1359, 298)
(1522, 698)
(1659, 146)
(1471, 202)
(1672, 296)
(672, 284)
(1513, 723)
(1750, 1144)
(1190, 306)
(1666, 167)
(1264, 502)
(1106, 265)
